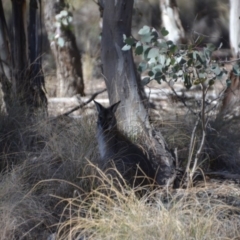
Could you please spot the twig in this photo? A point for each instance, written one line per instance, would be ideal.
(181, 100)
(204, 125)
(193, 137)
(84, 103)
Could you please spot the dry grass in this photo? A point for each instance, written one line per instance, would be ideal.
(183, 214)
(39, 161)
(49, 186)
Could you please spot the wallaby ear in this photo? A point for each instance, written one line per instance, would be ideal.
(114, 107)
(98, 106)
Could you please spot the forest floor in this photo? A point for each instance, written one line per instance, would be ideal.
(51, 187)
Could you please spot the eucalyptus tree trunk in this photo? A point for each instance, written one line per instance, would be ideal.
(36, 84)
(20, 53)
(64, 48)
(5, 63)
(232, 93)
(234, 27)
(171, 21)
(28, 84)
(123, 83)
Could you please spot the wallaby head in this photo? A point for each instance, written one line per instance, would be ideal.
(106, 116)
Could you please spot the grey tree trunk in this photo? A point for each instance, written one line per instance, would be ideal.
(22, 81)
(234, 27)
(20, 46)
(66, 54)
(171, 21)
(5, 63)
(232, 94)
(123, 84)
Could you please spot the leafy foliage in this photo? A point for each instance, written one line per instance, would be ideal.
(166, 61)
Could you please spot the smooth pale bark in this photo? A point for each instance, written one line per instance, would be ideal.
(234, 27)
(123, 83)
(171, 21)
(68, 57)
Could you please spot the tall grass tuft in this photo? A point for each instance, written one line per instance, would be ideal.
(197, 213)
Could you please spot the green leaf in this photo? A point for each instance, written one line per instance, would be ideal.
(145, 52)
(187, 81)
(170, 43)
(138, 44)
(236, 70)
(142, 67)
(152, 62)
(216, 70)
(157, 68)
(161, 59)
(211, 81)
(150, 73)
(146, 38)
(168, 61)
(153, 53)
(60, 42)
(63, 13)
(129, 41)
(126, 47)
(139, 50)
(158, 76)
(173, 48)
(163, 47)
(228, 82)
(164, 32)
(154, 35)
(144, 30)
(64, 21)
(70, 19)
(145, 81)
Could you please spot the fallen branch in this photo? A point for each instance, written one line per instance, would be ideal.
(83, 104)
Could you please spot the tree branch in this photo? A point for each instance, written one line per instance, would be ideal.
(83, 104)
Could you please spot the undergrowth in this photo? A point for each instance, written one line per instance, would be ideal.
(51, 188)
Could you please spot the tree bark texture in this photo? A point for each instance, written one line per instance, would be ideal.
(36, 77)
(231, 96)
(234, 27)
(20, 47)
(123, 83)
(232, 93)
(67, 57)
(5, 63)
(171, 21)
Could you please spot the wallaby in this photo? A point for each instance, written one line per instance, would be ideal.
(128, 158)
